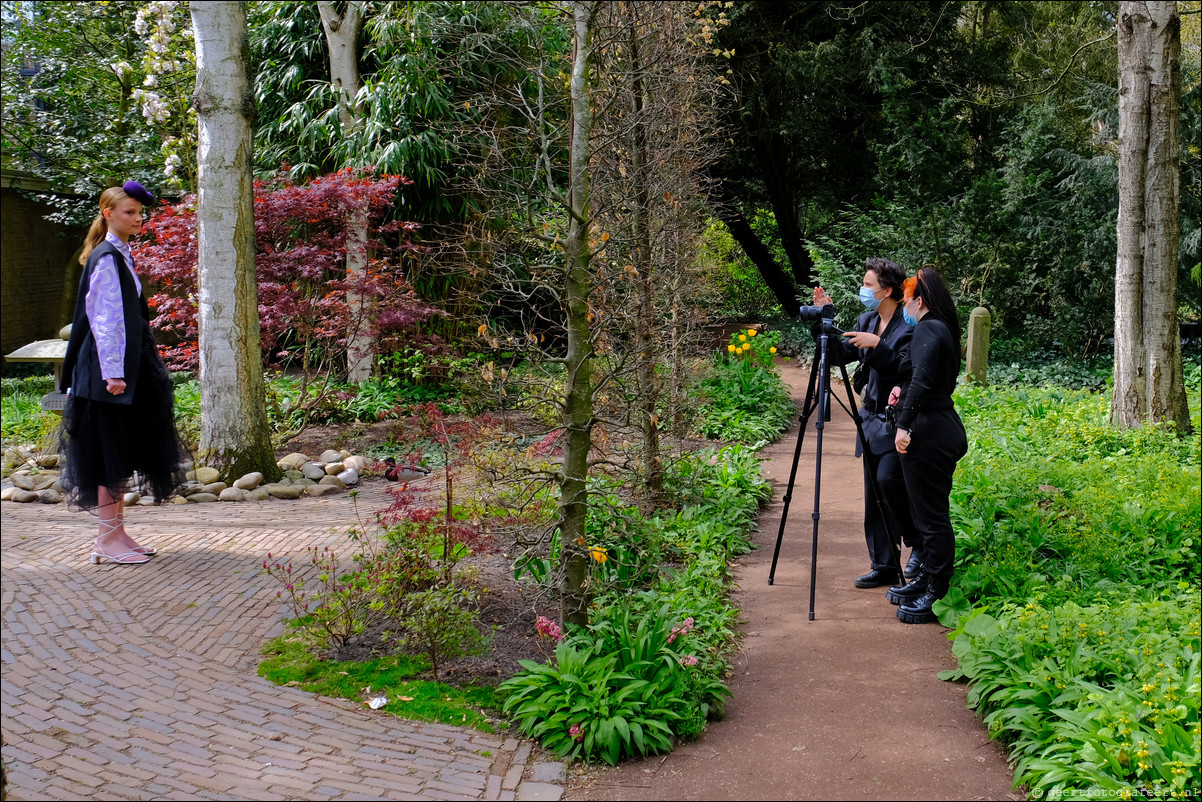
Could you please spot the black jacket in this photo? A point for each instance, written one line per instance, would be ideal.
(931, 370)
(882, 366)
(81, 367)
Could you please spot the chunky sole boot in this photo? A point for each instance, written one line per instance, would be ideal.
(904, 594)
(919, 611)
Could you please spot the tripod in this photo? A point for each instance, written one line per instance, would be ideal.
(818, 397)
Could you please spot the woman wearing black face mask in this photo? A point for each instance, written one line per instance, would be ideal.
(879, 342)
(930, 439)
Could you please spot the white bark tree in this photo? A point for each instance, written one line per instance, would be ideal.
(1149, 385)
(234, 434)
(342, 36)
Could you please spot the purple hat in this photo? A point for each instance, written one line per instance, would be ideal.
(138, 192)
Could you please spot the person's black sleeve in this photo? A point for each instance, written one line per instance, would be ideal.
(839, 349)
(918, 371)
(886, 358)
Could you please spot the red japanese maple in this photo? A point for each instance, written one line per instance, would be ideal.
(300, 263)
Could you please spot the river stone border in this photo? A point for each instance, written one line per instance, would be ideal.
(31, 477)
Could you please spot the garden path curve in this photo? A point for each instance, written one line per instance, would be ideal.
(846, 706)
(124, 682)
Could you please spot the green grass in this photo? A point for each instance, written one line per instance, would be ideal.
(289, 662)
(22, 420)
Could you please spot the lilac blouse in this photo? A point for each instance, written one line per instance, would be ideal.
(105, 310)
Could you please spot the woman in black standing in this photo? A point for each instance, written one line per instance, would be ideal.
(930, 439)
(118, 421)
(879, 343)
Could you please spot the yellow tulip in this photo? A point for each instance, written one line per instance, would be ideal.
(730, 348)
(742, 338)
(598, 554)
(751, 332)
(772, 350)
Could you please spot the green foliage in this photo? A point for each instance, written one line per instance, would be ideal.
(23, 420)
(581, 705)
(438, 623)
(740, 288)
(652, 663)
(744, 399)
(1051, 499)
(100, 105)
(1076, 595)
(186, 394)
(618, 689)
(1098, 696)
(289, 661)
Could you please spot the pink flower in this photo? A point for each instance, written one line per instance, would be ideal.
(548, 629)
(684, 629)
(576, 733)
(688, 660)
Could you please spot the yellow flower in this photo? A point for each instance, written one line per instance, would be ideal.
(751, 332)
(598, 554)
(772, 350)
(742, 338)
(730, 348)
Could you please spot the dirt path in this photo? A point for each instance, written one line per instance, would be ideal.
(846, 706)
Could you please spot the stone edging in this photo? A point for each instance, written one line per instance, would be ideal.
(37, 479)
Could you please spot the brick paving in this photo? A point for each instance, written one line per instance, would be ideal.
(138, 682)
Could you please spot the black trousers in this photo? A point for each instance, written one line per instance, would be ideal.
(937, 443)
(883, 549)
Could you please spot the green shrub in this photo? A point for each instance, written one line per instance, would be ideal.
(1053, 500)
(1102, 696)
(618, 689)
(25, 423)
(438, 623)
(1076, 596)
(742, 397)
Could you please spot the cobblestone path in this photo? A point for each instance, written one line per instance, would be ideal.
(138, 682)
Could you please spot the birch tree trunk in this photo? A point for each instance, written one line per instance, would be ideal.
(578, 407)
(234, 433)
(1149, 384)
(342, 36)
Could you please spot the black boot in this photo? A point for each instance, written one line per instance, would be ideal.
(878, 578)
(904, 594)
(914, 565)
(919, 611)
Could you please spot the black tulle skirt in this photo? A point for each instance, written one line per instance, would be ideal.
(124, 447)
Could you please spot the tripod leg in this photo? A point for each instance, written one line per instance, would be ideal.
(811, 401)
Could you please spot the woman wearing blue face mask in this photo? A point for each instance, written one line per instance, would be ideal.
(879, 342)
(930, 439)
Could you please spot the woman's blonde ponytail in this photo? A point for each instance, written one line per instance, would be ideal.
(100, 226)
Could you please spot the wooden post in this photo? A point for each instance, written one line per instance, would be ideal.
(978, 346)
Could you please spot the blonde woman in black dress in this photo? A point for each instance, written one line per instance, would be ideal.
(118, 423)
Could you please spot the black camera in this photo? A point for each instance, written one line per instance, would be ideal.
(823, 318)
(807, 314)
